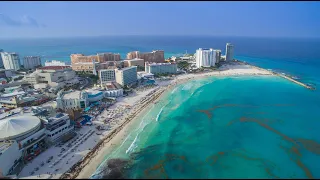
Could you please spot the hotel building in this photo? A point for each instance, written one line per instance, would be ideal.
(57, 127)
(54, 63)
(206, 57)
(218, 56)
(80, 62)
(161, 68)
(134, 62)
(126, 76)
(10, 60)
(106, 76)
(31, 62)
(133, 55)
(229, 52)
(156, 56)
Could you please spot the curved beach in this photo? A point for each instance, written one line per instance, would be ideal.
(86, 167)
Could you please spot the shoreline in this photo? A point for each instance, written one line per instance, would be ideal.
(86, 168)
(89, 164)
(83, 165)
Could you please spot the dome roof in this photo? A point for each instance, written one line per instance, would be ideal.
(16, 126)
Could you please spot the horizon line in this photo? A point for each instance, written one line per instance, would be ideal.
(141, 35)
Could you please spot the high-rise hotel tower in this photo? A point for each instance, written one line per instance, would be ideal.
(229, 52)
(206, 57)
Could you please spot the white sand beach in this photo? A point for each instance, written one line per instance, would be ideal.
(90, 149)
(227, 70)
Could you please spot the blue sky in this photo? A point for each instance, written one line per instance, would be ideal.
(65, 19)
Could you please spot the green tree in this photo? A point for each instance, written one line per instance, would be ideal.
(183, 65)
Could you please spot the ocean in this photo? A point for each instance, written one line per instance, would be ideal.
(216, 127)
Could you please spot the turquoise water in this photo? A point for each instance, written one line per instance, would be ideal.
(257, 127)
(278, 117)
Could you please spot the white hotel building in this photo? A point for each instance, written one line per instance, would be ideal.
(206, 57)
(10, 60)
(54, 63)
(107, 76)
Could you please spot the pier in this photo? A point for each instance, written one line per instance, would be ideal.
(295, 81)
(283, 76)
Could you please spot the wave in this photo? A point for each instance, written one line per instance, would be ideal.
(98, 171)
(206, 83)
(159, 113)
(174, 90)
(187, 86)
(132, 145)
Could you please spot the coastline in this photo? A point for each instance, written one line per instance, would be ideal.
(87, 167)
(116, 138)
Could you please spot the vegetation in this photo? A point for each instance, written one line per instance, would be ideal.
(86, 74)
(140, 68)
(183, 65)
(125, 87)
(18, 78)
(162, 74)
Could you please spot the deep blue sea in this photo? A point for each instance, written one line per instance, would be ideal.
(216, 127)
(300, 57)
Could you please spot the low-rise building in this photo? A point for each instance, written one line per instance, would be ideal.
(10, 156)
(126, 76)
(161, 68)
(6, 73)
(134, 62)
(95, 95)
(31, 62)
(54, 76)
(145, 75)
(54, 63)
(72, 100)
(57, 127)
(21, 99)
(78, 99)
(113, 90)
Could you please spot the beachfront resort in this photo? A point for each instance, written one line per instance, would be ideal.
(57, 120)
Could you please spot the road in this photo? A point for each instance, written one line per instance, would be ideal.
(85, 82)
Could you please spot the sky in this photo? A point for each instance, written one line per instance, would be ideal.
(73, 19)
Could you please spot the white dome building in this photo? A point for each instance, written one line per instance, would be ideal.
(23, 138)
(18, 127)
